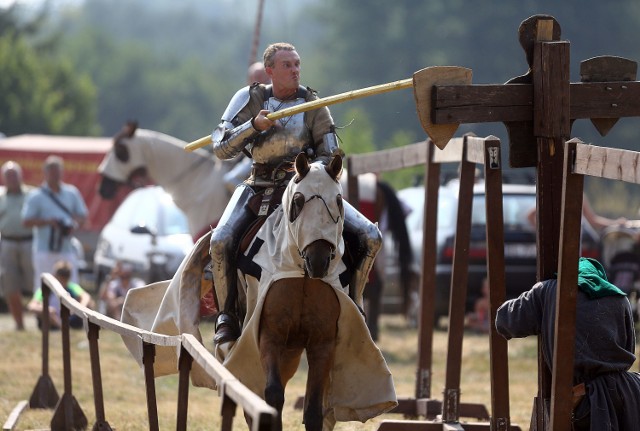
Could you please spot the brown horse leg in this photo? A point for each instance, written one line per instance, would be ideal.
(320, 360)
(276, 323)
(322, 312)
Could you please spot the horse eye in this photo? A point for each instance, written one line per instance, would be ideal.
(339, 202)
(296, 206)
(122, 152)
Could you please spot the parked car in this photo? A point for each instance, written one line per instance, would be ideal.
(147, 230)
(519, 236)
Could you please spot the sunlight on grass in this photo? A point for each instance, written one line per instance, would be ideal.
(125, 394)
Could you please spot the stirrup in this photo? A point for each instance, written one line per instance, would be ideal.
(227, 328)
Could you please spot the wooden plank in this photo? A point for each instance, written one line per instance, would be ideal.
(106, 322)
(514, 102)
(565, 313)
(428, 280)
(498, 350)
(12, 420)
(452, 153)
(227, 383)
(403, 157)
(611, 163)
(388, 160)
(475, 150)
(605, 99)
(458, 294)
(483, 103)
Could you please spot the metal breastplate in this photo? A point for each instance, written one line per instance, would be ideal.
(289, 137)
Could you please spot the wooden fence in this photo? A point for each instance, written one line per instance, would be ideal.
(67, 413)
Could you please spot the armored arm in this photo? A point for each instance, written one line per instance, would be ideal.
(324, 135)
(235, 130)
(328, 147)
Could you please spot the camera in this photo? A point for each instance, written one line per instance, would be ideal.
(65, 227)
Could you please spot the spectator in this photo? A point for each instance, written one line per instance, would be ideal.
(16, 241)
(54, 210)
(115, 288)
(606, 393)
(62, 272)
(595, 220)
(478, 320)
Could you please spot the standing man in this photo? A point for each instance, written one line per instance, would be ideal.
(16, 254)
(54, 210)
(273, 146)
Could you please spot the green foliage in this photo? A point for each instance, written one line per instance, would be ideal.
(356, 135)
(41, 95)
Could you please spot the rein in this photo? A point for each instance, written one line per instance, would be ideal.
(303, 255)
(334, 219)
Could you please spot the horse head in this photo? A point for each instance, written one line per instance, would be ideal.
(123, 164)
(315, 212)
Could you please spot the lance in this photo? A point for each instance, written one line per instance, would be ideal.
(422, 83)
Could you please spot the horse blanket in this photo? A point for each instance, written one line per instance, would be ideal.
(361, 383)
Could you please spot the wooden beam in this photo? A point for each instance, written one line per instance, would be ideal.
(611, 163)
(499, 103)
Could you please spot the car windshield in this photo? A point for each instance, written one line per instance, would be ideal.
(516, 208)
(154, 209)
(174, 220)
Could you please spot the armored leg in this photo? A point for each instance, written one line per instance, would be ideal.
(224, 246)
(369, 243)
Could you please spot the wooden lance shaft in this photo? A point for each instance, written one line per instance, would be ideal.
(319, 103)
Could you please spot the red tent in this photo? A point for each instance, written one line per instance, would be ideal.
(82, 156)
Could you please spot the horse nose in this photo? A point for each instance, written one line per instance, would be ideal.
(317, 258)
(317, 267)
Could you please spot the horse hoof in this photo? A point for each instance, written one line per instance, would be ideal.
(227, 329)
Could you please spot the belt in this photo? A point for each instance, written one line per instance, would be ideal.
(578, 393)
(16, 238)
(273, 172)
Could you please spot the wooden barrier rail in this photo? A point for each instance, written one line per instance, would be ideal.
(67, 412)
(580, 160)
(468, 151)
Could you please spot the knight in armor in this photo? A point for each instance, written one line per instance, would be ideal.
(273, 146)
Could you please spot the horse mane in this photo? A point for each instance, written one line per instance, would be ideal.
(399, 233)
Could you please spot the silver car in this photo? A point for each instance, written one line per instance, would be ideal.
(519, 201)
(147, 230)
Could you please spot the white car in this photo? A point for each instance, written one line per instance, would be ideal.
(147, 230)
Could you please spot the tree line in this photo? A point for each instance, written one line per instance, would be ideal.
(173, 66)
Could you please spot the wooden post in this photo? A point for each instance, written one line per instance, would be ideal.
(537, 108)
(44, 395)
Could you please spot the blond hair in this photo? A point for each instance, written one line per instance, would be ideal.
(270, 52)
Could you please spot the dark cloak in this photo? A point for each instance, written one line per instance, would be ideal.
(604, 350)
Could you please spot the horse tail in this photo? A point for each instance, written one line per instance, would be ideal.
(398, 228)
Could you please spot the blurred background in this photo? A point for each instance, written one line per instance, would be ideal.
(83, 67)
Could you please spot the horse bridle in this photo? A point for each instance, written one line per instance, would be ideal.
(334, 219)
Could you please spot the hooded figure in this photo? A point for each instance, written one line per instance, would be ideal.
(604, 350)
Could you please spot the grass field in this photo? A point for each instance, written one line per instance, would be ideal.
(124, 391)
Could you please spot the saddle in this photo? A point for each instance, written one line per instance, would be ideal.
(273, 198)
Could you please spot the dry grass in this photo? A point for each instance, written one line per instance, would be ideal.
(124, 389)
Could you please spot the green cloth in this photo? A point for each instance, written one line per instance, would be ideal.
(592, 279)
(74, 289)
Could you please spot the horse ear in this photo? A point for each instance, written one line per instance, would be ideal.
(130, 128)
(302, 165)
(334, 168)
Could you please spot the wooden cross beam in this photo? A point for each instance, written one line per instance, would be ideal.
(538, 109)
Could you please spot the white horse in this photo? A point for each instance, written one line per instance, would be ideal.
(194, 179)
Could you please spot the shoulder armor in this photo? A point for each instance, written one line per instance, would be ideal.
(242, 97)
(237, 102)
